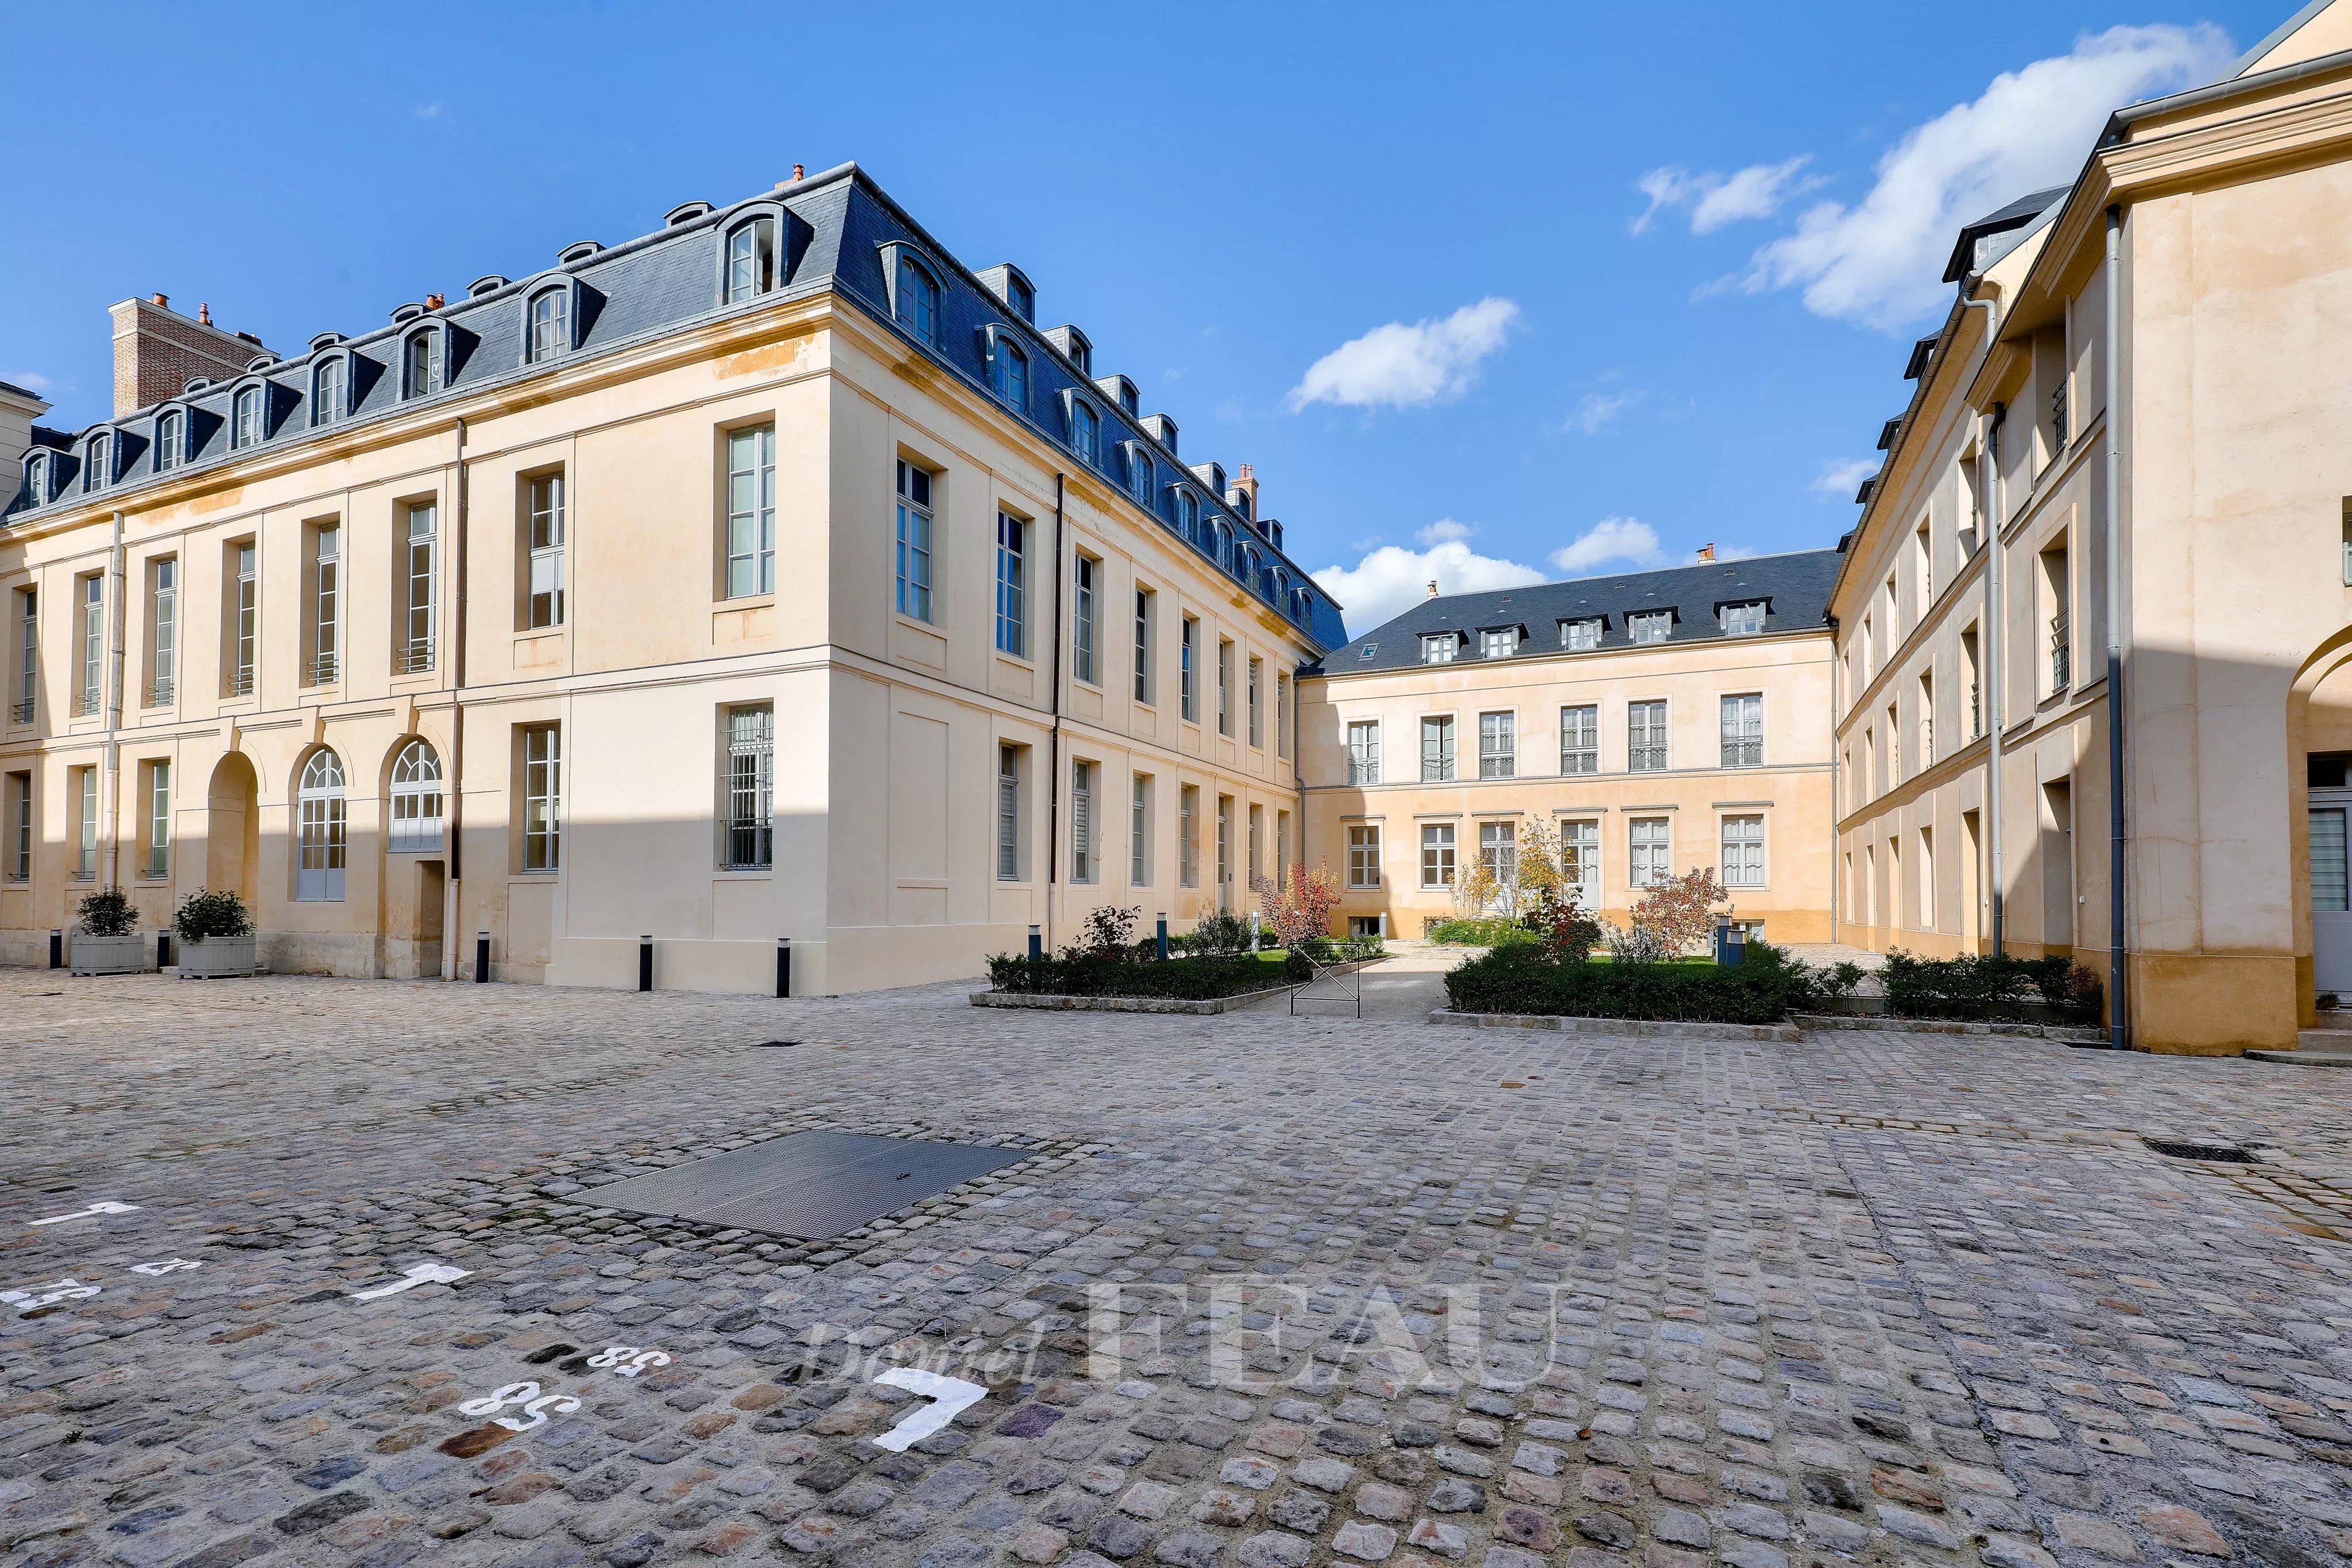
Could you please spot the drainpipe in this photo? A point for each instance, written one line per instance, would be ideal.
(1053, 734)
(111, 808)
(1996, 639)
(2118, 1030)
(453, 796)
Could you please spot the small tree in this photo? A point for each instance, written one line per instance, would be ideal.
(1221, 935)
(107, 912)
(1108, 932)
(1569, 935)
(1674, 915)
(203, 914)
(1476, 891)
(1300, 906)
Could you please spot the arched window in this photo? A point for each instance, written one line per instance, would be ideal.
(1008, 370)
(318, 874)
(245, 429)
(1085, 430)
(919, 300)
(93, 465)
(751, 260)
(416, 810)
(327, 392)
(420, 364)
(170, 438)
(549, 311)
(1188, 515)
(1139, 474)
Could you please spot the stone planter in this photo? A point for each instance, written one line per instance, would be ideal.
(217, 958)
(109, 955)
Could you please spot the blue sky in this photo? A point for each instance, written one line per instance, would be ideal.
(1396, 258)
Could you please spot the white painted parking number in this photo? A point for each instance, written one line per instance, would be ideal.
(35, 1297)
(950, 1396)
(627, 1360)
(104, 1206)
(534, 1404)
(168, 1266)
(421, 1274)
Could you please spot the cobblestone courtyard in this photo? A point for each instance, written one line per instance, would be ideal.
(1260, 1292)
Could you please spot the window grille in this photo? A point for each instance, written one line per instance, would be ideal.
(1579, 741)
(1743, 731)
(751, 785)
(417, 800)
(1645, 737)
(1498, 744)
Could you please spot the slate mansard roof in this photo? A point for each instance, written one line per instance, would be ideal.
(1795, 589)
(833, 232)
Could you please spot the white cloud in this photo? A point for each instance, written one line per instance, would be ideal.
(1879, 262)
(29, 380)
(1627, 539)
(1445, 530)
(1401, 366)
(1841, 476)
(1392, 580)
(1715, 199)
(1595, 410)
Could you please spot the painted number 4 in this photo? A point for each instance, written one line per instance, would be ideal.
(168, 1266)
(534, 1404)
(627, 1360)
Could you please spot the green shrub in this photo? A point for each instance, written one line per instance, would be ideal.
(107, 912)
(1765, 989)
(1485, 931)
(203, 914)
(1988, 986)
(1182, 980)
(1222, 934)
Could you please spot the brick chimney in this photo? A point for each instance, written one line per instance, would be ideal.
(18, 409)
(1705, 553)
(1246, 482)
(1432, 588)
(157, 351)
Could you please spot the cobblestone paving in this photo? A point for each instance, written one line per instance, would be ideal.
(1262, 1291)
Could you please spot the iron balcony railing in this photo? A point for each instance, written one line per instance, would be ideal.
(21, 712)
(322, 670)
(1742, 751)
(413, 658)
(2062, 657)
(240, 682)
(86, 702)
(159, 693)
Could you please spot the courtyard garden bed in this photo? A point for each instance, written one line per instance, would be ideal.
(1518, 980)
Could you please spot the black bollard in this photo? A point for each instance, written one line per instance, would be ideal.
(645, 962)
(783, 965)
(481, 958)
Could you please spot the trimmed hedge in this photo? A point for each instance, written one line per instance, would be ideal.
(1988, 986)
(1514, 979)
(1485, 931)
(1179, 980)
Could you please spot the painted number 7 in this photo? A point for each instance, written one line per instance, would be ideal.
(950, 1396)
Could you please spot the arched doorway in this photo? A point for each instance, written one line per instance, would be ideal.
(233, 828)
(413, 900)
(321, 845)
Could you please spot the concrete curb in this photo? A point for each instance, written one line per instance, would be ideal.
(1121, 1004)
(2303, 1057)
(1880, 1024)
(1779, 1031)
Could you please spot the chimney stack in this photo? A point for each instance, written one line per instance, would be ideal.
(157, 351)
(1705, 553)
(799, 172)
(1246, 481)
(1432, 588)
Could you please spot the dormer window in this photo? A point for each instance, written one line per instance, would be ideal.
(919, 300)
(327, 392)
(245, 425)
(1086, 431)
(420, 364)
(1439, 648)
(1650, 625)
(170, 439)
(1019, 296)
(751, 260)
(1188, 513)
(93, 465)
(1742, 620)
(1581, 637)
(550, 319)
(1139, 471)
(1008, 370)
(1499, 643)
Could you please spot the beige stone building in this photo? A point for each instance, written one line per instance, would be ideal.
(1657, 721)
(769, 577)
(2120, 489)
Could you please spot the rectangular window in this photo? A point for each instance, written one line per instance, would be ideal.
(1742, 620)
(1500, 643)
(1927, 879)
(326, 603)
(85, 826)
(245, 620)
(1581, 637)
(913, 542)
(1082, 822)
(1922, 555)
(1436, 749)
(1187, 678)
(1498, 852)
(1743, 851)
(1645, 737)
(1012, 585)
(750, 511)
(2055, 599)
(1579, 741)
(1651, 625)
(751, 260)
(545, 542)
(164, 631)
(1651, 840)
(1281, 714)
(542, 798)
(1224, 852)
(1008, 813)
(1971, 682)
(1138, 833)
(1256, 835)
(1439, 649)
(1256, 722)
(28, 657)
(1187, 839)
(1498, 745)
(1281, 843)
(159, 819)
(421, 563)
(1437, 855)
(1894, 749)
(1364, 752)
(1926, 719)
(1144, 599)
(751, 788)
(548, 336)
(1580, 852)
(1224, 687)
(1364, 856)
(19, 806)
(91, 693)
(1743, 731)
(2330, 893)
(1081, 623)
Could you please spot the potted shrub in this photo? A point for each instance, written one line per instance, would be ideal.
(106, 939)
(215, 933)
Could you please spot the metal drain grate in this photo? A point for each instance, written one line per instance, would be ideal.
(2181, 1149)
(809, 1186)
